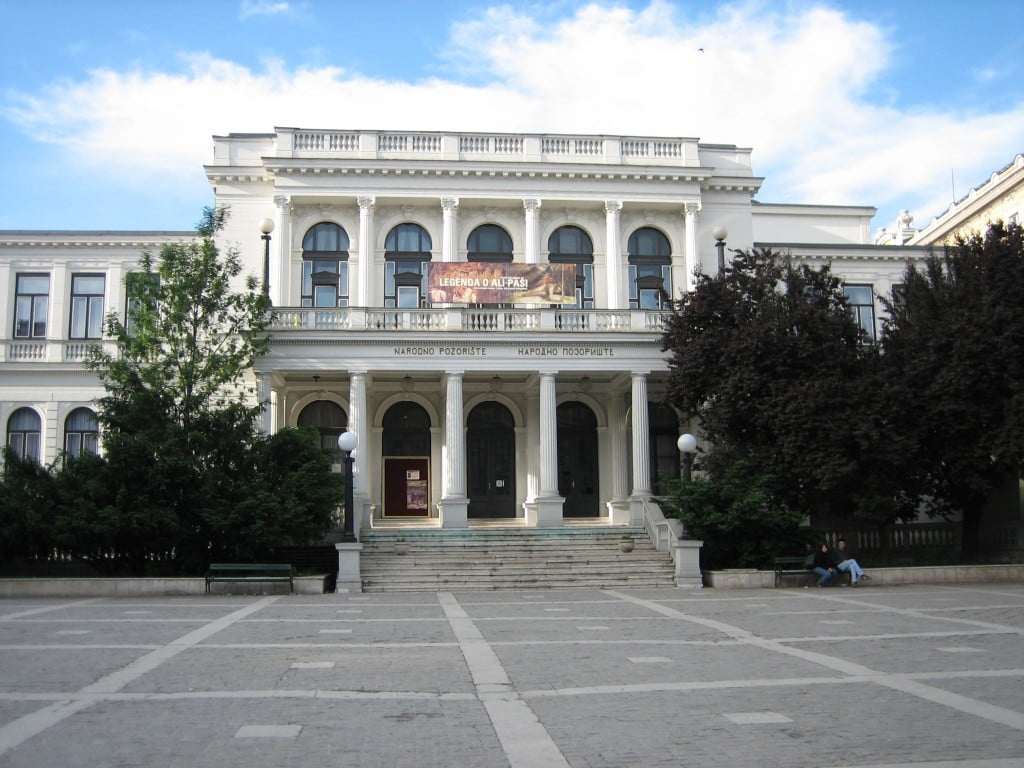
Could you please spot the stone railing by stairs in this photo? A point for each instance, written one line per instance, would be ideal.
(511, 558)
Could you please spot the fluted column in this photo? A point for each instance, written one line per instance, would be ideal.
(613, 255)
(532, 443)
(547, 508)
(280, 281)
(532, 208)
(691, 258)
(641, 449)
(263, 394)
(357, 423)
(454, 503)
(364, 287)
(449, 228)
(618, 506)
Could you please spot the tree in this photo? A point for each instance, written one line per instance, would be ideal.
(954, 350)
(182, 454)
(771, 362)
(735, 517)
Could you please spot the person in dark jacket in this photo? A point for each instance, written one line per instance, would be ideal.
(824, 566)
(844, 562)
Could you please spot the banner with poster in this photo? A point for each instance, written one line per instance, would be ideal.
(480, 282)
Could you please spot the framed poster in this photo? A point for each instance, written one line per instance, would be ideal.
(406, 486)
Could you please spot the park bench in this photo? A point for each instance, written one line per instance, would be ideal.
(797, 565)
(789, 565)
(249, 572)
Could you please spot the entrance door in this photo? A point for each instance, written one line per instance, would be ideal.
(491, 461)
(577, 460)
(406, 450)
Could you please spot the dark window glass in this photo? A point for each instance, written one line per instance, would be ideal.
(862, 306)
(406, 251)
(325, 266)
(489, 242)
(23, 433)
(81, 432)
(87, 306)
(31, 303)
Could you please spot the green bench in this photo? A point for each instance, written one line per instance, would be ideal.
(250, 572)
(790, 565)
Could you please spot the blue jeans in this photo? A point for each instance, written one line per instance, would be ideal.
(826, 576)
(853, 567)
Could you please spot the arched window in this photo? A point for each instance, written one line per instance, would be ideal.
(406, 251)
(650, 269)
(23, 432)
(81, 432)
(571, 245)
(489, 242)
(325, 266)
(328, 419)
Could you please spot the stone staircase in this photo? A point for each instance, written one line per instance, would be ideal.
(510, 558)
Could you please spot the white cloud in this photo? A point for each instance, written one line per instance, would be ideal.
(263, 8)
(799, 86)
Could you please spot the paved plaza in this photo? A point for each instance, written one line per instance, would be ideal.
(875, 676)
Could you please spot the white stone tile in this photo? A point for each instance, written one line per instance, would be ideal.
(335, 631)
(959, 649)
(755, 718)
(268, 731)
(649, 660)
(313, 665)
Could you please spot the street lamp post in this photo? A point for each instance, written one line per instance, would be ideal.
(266, 227)
(687, 445)
(347, 441)
(720, 234)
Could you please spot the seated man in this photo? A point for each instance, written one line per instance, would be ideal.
(844, 562)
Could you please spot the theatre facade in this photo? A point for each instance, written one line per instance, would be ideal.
(483, 311)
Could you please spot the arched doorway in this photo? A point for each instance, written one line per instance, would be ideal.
(405, 445)
(491, 459)
(327, 418)
(577, 460)
(663, 428)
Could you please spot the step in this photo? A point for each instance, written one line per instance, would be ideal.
(511, 558)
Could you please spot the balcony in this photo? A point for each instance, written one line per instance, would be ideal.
(467, 320)
(50, 350)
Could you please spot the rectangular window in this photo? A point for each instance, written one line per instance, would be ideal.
(31, 303)
(404, 284)
(135, 289)
(862, 306)
(649, 285)
(584, 286)
(324, 283)
(87, 306)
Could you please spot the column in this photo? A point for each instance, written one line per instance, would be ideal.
(641, 451)
(263, 395)
(357, 423)
(532, 209)
(618, 506)
(280, 282)
(548, 504)
(613, 254)
(364, 286)
(454, 502)
(449, 228)
(691, 258)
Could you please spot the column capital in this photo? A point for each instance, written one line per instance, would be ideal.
(366, 201)
(691, 209)
(612, 206)
(449, 203)
(531, 204)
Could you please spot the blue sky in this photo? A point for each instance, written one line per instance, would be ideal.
(107, 107)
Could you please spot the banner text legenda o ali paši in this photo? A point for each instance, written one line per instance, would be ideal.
(479, 282)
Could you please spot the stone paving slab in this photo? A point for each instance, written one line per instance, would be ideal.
(917, 677)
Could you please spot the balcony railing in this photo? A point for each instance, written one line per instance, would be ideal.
(466, 319)
(49, 350)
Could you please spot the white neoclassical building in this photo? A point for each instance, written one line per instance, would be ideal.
(484, 311)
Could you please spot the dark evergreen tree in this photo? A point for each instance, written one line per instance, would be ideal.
(954, 351)
(769, 359)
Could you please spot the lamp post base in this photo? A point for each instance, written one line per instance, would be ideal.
(349, 576)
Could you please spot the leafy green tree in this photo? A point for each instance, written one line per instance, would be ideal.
(770, 360)
(183, 460)
(954, 356)
(26, 499)
(735, 517)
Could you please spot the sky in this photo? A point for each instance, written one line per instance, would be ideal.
(107, 107)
